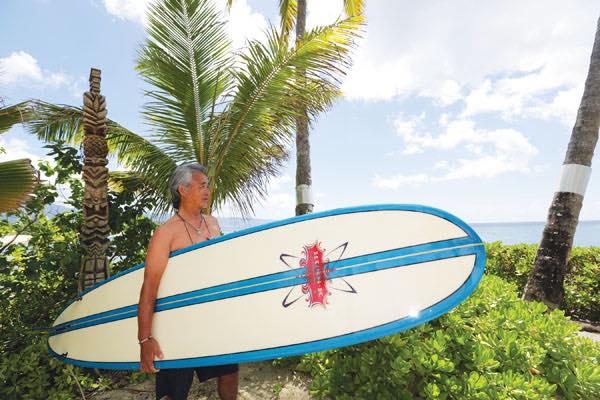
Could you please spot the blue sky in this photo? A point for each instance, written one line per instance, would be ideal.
(463, 105)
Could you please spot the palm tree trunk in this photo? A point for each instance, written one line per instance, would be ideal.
(546, 279)
(304, 202)
(94, 232)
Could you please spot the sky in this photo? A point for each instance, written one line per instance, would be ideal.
(462, 105)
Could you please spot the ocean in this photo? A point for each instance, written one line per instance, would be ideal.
(587, 234)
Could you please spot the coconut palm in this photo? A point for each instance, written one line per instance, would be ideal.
(233, 112)
(546, 279)
(293, 12)
(18, 177)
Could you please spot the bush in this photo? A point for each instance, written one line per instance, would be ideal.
(35, 283)
(492, 346)
(38, 279)
(582, 280)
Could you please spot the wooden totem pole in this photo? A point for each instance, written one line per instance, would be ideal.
(95, 230)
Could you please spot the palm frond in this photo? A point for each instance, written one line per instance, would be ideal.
(354, 8)
(125, 180)
(55, 122)
(51, 122)
(183, 59)
(13, 115)
(234, 115)
(288, 10)
(146, 160)
(18, 179)
(268, 98)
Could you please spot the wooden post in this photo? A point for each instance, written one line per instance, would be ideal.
(95, 230)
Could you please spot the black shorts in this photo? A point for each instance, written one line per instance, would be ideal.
(177, 382)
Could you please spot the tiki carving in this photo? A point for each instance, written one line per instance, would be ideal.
(95, 230)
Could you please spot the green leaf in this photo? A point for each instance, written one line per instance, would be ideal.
(18, 179)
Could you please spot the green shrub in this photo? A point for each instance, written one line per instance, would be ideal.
(39, 278)
(31, 296)
(31, 373)
(492, 346)
(582, 280)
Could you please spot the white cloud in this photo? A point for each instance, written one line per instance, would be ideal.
(21, 67)
(527, 96)
(483, 153)
(460, 132)
(16, 149)
(407, 129)
(279, 203)
(563, 106)
(277, 182)
(129, 10)
(444, 93)
(243, 22)
(321, 12)
(493, 54)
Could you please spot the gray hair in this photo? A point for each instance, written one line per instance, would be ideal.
(183, 176)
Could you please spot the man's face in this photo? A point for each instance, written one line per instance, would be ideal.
(196, 194)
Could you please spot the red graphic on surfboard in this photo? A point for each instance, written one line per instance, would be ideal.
(316, 275)
(314, 264)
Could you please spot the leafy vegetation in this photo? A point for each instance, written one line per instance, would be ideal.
(492, 346)
(17, 176)
(37, 279)
(232, 111)
(582, 279)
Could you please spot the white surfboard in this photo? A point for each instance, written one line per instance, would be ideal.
(299, 285)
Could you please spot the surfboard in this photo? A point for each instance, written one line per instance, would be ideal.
(299, 285)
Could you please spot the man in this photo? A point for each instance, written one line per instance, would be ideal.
(190, 194)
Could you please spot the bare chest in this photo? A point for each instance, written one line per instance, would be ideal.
(184, 236)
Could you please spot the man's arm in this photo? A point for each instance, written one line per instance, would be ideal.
(156, 261)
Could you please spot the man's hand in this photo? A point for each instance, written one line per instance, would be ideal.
(148, 351)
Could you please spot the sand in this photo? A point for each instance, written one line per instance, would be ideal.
(258, 381)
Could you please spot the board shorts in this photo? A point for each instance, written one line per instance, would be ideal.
(176, 382)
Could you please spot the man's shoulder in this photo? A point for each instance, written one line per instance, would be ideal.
(210, 218)
(167, 228)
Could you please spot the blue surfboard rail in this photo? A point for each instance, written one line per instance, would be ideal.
(471, 244)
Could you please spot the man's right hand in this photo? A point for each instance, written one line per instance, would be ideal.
(148, 351)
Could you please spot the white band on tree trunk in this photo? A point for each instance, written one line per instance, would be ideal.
(574, 178)
(304, 194)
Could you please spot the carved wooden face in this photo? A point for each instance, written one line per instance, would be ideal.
(196, 194)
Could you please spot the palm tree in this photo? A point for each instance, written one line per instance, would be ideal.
(293, 12)
(18, 177)
(233, 112)
(546, 279)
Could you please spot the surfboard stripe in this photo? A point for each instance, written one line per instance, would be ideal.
(411, 208)
(338, 269)
(416, 208)
(335, 265)
(434, 311)
(410, 250)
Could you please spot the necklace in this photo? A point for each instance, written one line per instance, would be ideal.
(199, 229)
